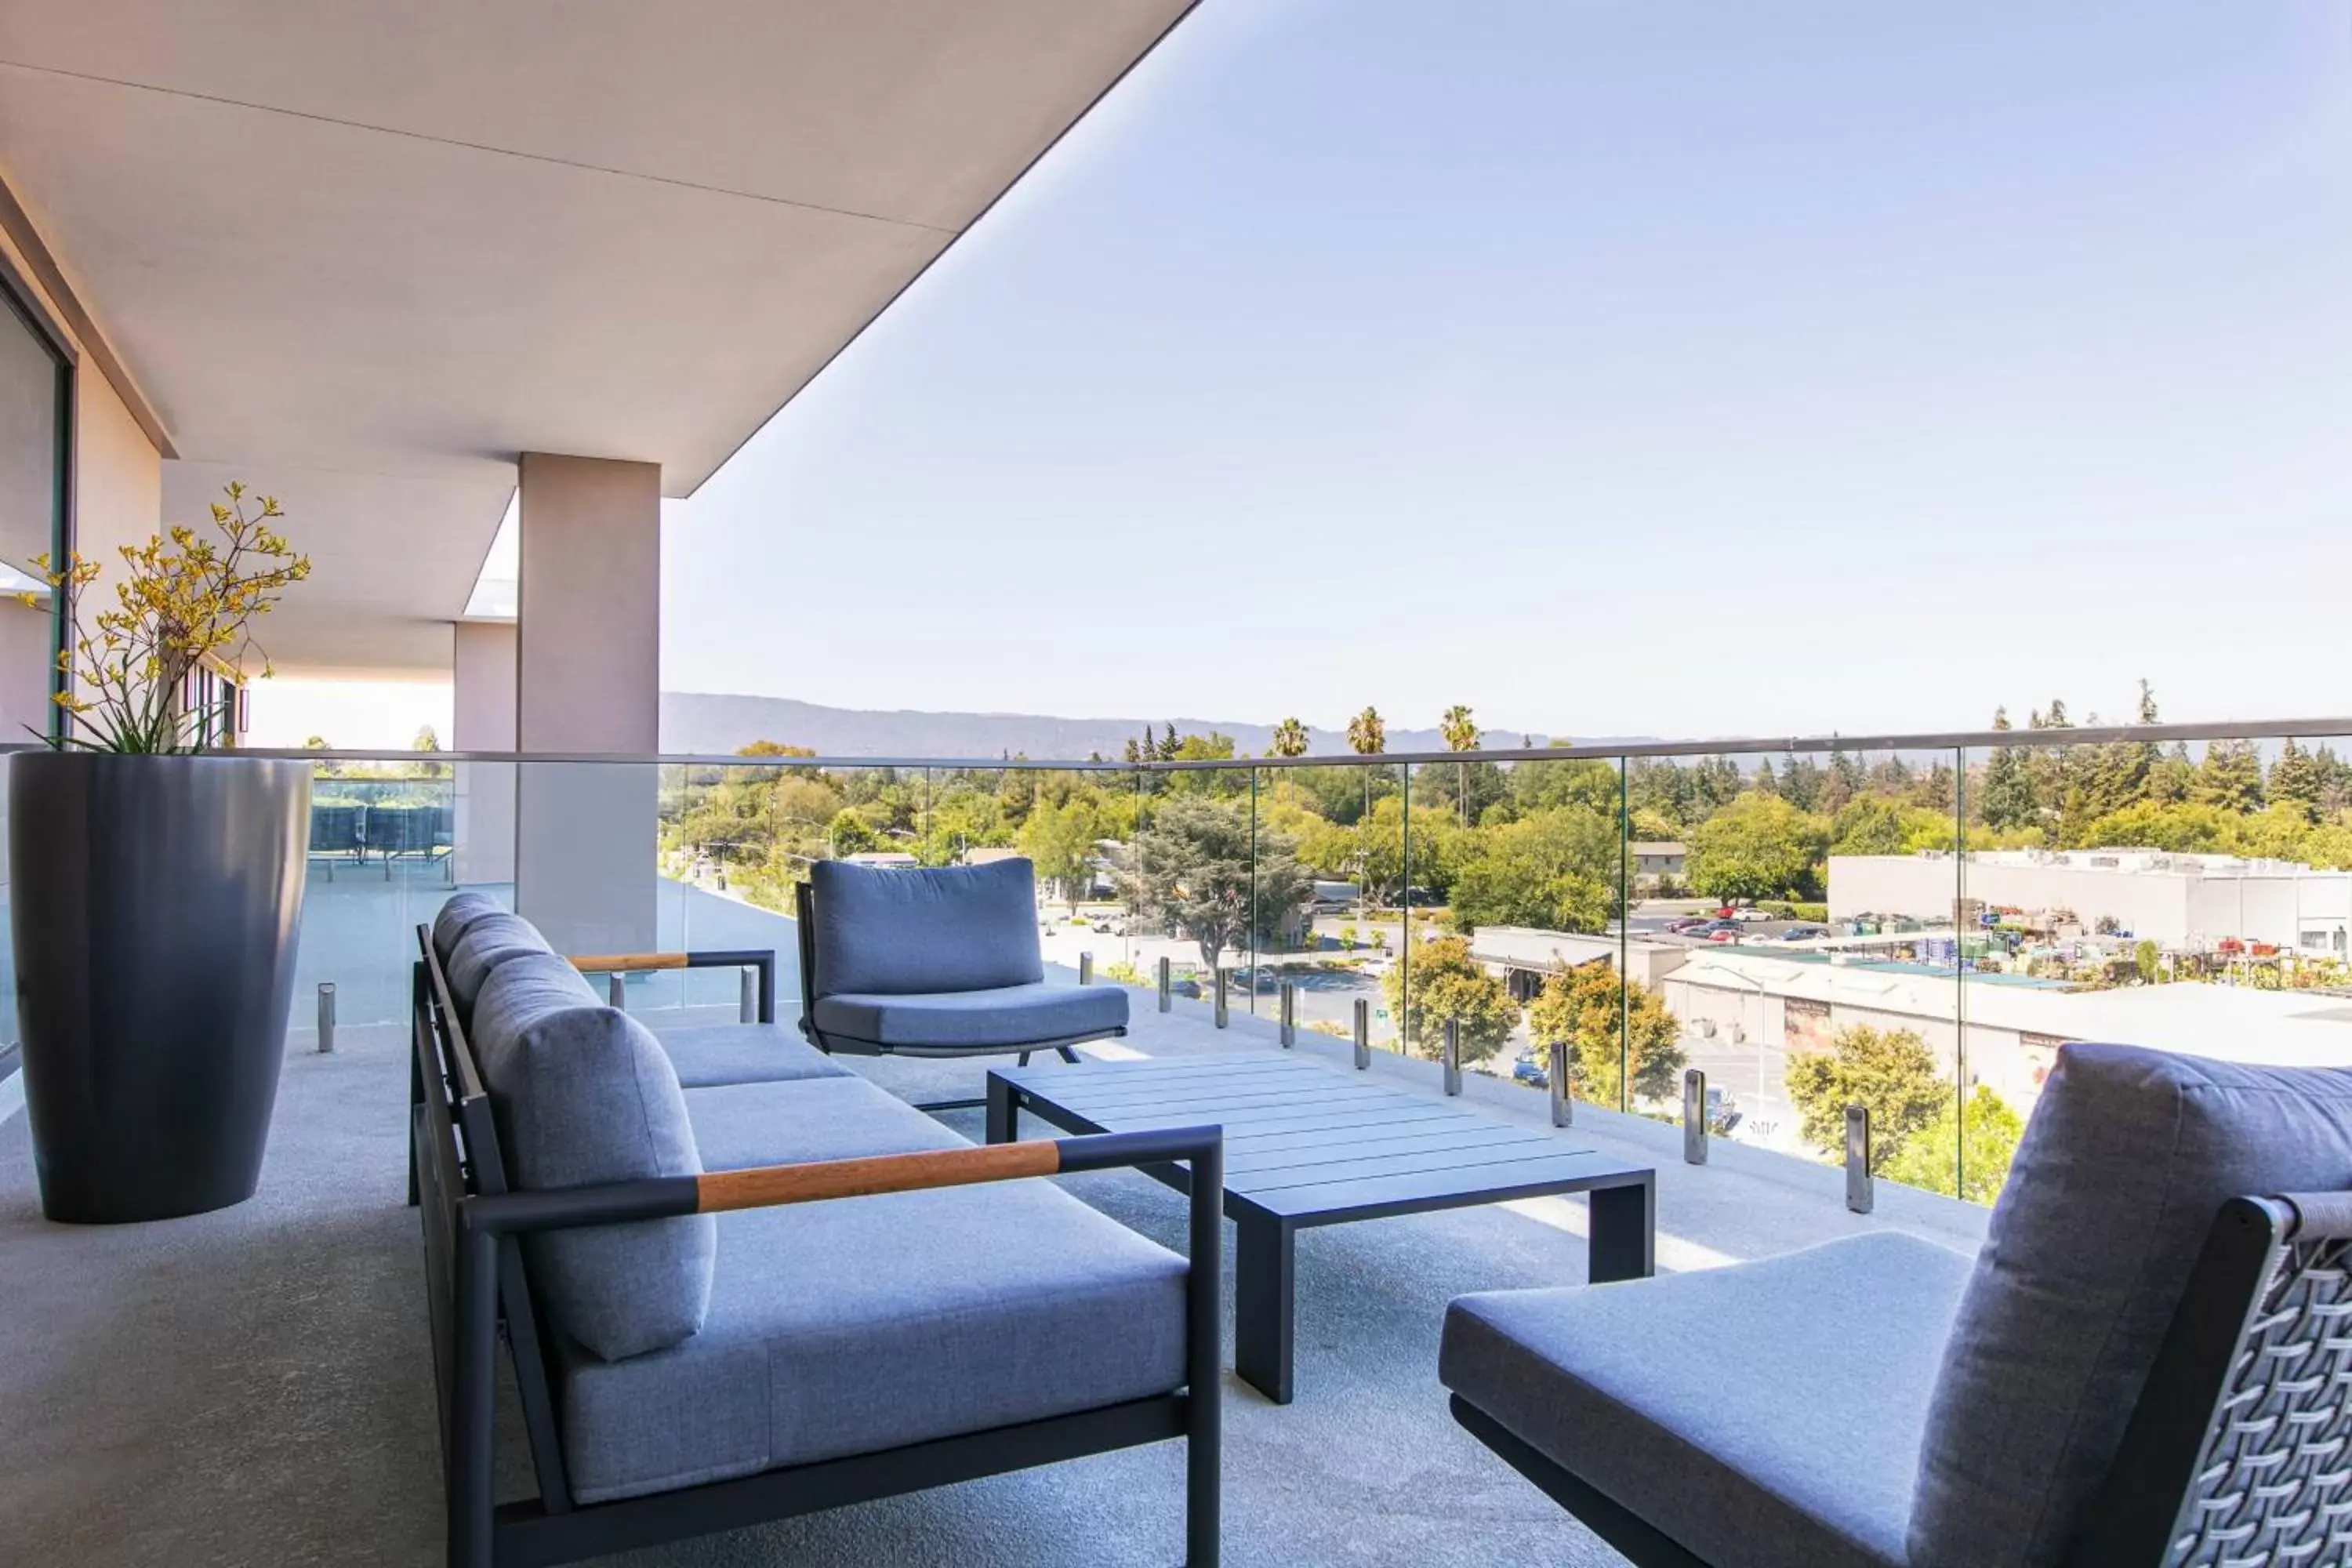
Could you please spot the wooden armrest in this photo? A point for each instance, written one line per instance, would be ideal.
(607, 962)
(765, 1185)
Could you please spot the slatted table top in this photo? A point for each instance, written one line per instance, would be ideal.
(1311, 1144)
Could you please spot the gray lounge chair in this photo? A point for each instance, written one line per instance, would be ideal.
(2144, 1365)
(942, 962)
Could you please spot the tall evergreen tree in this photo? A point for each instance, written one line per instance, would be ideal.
(2295, 779)
(2230, 776)
(1766, 782)
(2009, 799)
(1801, 781)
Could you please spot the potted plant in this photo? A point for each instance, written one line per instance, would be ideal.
(156, 889)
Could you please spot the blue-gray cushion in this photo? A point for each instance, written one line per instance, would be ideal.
(865, 1323)
(523, 988)
(582, 1095)
(2129, 1155)
(1766, 1414)
(974, 1020)
(457, 912)
(744, 1125)
(489, 942)
(950, 928)
(706, 1054)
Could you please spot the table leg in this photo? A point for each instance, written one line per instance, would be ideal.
(1624, 1232)
(1263, 1252)
(1003, 1115)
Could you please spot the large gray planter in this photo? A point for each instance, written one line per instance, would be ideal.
(154, 903)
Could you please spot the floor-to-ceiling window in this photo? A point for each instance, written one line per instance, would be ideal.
(36, 408)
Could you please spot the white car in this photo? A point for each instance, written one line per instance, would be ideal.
(1750, 916)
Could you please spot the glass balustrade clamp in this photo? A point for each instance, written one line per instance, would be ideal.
(1453, 1056)
(1364, 1033)
(1167, 986)
(1563, 1104)
(1695, 1117)
(1860, 1186)
(1289, 1012)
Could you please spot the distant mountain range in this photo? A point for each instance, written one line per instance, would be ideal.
(711, 723)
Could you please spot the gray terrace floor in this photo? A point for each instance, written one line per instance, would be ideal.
(253, 1386)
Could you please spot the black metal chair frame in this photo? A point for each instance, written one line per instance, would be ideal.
(2238, 1448)
(478, 1294)
(830, 1043)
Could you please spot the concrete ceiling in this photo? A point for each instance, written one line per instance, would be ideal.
(362, 255)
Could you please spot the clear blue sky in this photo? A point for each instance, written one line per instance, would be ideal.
(1627, 367)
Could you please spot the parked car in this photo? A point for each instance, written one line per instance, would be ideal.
(1751, 915)
(1687, 923)
(1804, 934)
(1728, 934)
(1714, 928)
(1527, 1071)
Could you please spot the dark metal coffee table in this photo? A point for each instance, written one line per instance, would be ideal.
(1307, 1144)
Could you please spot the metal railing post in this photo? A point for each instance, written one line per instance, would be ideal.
(1085, 969)
(1695, 1117)
(1564, 1103)
(326, 1017)
(616, 990)
(1167, 987)
(747, 1008)
(1289, 1012)
(1364, 1033)
(1222, 972)
(1453, 1056)
(1860, 1186)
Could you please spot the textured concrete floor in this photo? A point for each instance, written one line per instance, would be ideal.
(253, 1386)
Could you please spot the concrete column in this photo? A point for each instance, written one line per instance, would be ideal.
(484, 694)
(588, 678)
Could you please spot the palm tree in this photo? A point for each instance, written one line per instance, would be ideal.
(1367, 735)
(1290, 739)
(1460, 732)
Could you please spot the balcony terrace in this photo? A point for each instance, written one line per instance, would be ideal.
(284, 1406)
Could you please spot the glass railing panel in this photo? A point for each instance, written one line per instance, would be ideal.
(390, 840)
(1293, 902)
(1535, 889)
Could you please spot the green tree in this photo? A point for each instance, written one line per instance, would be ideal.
(1758, 847)
(850, 833)
(2007, 798)
(2145, 961)
(1461, 733)
(2185, 828)
(1889, 1071)
(1059, 839)
(1289, 739)
(2295, 779)
(1190, 871)
(1874, 825)
(1447, 983)
(1368, 736)
(1554, 870)
(1589, 1009)
(2230, 776)
(1991, 1134)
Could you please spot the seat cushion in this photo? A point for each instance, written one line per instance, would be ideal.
(2129, 1157)
(1766, 1414)
(781, 1124)
(489, 942)
(708, 1054)
(949, 928)
(991, 1020)
(865, 1323)
(458, 911)
(581, 1095)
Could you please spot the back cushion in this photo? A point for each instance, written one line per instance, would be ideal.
(2129, 1157)
(458, 911)
(952, 928)
(583, 1095)
(489, 942)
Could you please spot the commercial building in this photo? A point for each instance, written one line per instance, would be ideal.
(2184, 903)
